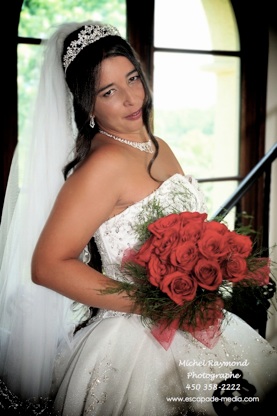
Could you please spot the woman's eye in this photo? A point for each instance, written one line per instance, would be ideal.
(134, 78)
(108, 93)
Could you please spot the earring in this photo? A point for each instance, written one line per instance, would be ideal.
(92, 122)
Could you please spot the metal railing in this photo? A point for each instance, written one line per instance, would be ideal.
(263, 167)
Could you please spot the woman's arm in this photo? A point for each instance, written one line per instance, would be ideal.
(85, 201)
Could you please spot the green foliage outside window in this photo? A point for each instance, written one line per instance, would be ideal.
(37, 16)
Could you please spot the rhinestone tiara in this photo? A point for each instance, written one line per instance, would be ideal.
(90, 34)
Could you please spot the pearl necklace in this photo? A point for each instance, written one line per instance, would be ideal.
(144, 147)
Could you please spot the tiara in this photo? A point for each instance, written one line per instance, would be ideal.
(90, 34)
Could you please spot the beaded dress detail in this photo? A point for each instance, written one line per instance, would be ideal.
(117, 368)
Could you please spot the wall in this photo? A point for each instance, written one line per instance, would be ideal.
(271, 139)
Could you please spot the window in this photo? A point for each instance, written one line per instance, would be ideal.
(197, 90)
(236, 66)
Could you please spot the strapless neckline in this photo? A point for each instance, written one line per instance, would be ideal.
(145, 199)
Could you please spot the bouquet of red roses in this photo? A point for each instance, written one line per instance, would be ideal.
(184, 271)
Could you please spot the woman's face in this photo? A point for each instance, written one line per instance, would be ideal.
(120, 97)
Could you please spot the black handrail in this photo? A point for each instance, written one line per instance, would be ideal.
(263, 166)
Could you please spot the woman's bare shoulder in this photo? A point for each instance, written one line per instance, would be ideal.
(163, 143)
(167, 157)
(103, 163)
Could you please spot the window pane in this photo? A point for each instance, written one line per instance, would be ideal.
(195, 24)
(196, 111)
(37, 16)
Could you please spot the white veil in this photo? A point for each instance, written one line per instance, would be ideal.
(34, 319)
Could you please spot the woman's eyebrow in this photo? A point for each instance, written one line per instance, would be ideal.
(104, 88)
(131, 72)
(110, 85)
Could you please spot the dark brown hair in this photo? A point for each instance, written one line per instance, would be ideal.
(82, 75)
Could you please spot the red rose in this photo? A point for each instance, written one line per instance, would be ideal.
(216, 226)
(208, 274)
(180, 287)
(191, 225)
(165, 244)
(239, 243)
(161, 226)
(186, 217)
(157, 269)
(192, 231)
(184, 256)
(212, 245)
(235, 268)
(142, 257)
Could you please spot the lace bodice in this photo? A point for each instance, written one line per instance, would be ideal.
(114, 236)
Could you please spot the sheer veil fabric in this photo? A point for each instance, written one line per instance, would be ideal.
(35, 320)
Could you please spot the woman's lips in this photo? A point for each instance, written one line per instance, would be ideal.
(135, 116)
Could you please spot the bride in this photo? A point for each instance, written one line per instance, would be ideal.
(61, 336)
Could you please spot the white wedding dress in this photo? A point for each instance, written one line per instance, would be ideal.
(117, 368)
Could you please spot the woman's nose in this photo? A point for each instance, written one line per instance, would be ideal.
(128, 98)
